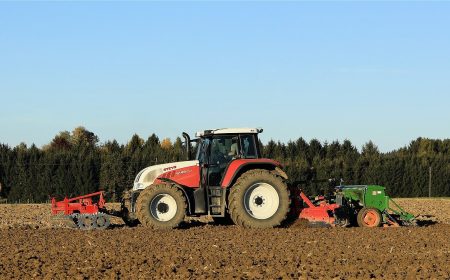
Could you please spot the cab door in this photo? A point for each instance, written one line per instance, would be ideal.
(217, 154)
(224, 148)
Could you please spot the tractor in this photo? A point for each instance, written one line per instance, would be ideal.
(226, 178)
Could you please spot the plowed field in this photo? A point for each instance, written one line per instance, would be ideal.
(31, 247)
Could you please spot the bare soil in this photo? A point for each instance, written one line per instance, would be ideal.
(433, 209)
(32, 247)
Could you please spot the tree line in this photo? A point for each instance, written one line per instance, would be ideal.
(75, 163)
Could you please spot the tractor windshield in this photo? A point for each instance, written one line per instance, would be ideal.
(224, 148)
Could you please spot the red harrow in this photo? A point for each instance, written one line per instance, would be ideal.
(82, 211)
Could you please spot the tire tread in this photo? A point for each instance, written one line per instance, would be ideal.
(144, 199)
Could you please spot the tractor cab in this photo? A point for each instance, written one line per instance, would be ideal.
(217, 148)
(229, 143)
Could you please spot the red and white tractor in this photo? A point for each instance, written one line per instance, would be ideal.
(227, 178)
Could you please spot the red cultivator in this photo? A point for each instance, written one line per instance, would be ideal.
(82, 211)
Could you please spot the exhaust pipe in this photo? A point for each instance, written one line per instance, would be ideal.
(188, 144)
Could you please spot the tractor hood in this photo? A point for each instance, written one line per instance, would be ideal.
(148, 175)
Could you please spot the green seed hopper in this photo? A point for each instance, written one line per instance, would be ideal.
(371, 206)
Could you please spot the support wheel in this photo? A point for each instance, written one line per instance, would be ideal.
(259, 199)
(369, 217)
(161, 206)
(74, 217)
(85, 221)
(101, 221)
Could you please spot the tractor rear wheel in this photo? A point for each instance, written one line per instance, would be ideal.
(259, 199)
(161, 206)
(369, 217)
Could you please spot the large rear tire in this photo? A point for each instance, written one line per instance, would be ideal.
(161, 206)
(259, 199)
(369, 217)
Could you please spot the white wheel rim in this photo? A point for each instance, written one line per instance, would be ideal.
(163, 207)
(261, 201)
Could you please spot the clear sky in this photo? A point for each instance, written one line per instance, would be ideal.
(328, 70)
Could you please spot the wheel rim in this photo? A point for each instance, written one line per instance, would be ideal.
(370, 218)
(85, 221)
(163, 207)
(261, 201)
(101, 221)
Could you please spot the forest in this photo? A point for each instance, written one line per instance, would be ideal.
(75, 163)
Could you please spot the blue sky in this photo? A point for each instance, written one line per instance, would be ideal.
(328, 70)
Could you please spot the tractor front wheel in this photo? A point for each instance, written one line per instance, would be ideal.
(259, 199)
(161, 206)
(369, 217)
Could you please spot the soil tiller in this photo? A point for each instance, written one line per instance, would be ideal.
(82, 211)
(362, 205)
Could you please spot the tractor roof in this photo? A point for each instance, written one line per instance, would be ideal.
(228, 131)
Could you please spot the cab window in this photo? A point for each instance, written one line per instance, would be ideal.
(223, 148)
(248, 146)
(202, 148)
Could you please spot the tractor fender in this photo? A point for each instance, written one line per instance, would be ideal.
(281, 173)
(239, 166)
